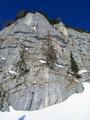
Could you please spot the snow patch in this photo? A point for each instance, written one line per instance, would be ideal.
(69, 75)
(42, 61)
(77, 81)
(82, 71)
(13, 72)
(26, 48)
(58, 65)
(11, 109)
(3, 58)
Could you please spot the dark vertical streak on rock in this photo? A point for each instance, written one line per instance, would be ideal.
(32, 98)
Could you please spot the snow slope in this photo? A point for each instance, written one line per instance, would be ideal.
(76, 107)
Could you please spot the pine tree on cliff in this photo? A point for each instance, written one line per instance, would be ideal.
(74, 66)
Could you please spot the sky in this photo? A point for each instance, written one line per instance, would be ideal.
(75, 13)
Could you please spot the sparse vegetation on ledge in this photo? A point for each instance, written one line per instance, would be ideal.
(21, 14)
(81, 30)
(74, 67)
(8, 23)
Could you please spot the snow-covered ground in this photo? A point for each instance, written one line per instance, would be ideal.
(76, 107)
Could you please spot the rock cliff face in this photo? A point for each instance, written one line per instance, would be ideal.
(41, 64)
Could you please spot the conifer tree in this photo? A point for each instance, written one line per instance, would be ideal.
(74, 66)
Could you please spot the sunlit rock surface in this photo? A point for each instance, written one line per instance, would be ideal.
(35, 63)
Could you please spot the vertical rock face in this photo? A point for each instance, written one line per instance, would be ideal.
(35, 63)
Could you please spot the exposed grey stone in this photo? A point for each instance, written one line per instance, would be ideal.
(35, 64)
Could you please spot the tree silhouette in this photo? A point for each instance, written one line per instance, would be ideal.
(21, 14)
(74, 66)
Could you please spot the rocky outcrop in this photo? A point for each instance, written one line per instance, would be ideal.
(35, 63)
